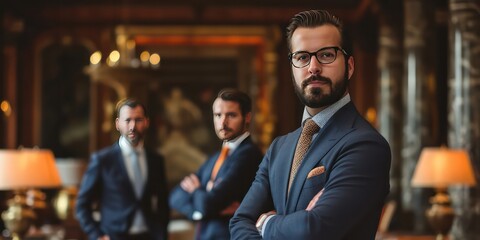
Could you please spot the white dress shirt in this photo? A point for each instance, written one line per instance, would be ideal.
(138, 224)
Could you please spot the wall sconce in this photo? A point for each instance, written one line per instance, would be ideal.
(20, 171)
(6, 108)
(439, 168)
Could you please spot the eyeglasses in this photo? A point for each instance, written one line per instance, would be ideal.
(325, 55)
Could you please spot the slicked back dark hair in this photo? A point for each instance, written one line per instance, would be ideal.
(231, 94)
(131, 102)
(316, 18)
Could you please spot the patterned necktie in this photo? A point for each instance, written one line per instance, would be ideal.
(137, 173)
(221, 158)
(308, 130)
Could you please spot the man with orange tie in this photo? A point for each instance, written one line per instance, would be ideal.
(212, 195)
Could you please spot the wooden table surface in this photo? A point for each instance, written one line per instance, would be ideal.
(403, 236)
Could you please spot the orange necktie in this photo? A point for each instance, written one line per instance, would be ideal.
(221, 158)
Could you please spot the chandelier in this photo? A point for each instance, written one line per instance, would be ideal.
(126, 57)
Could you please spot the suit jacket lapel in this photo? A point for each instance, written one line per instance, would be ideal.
(324, 141)
(148, 165)
(207, 172)
(282, 171)
(232, 157)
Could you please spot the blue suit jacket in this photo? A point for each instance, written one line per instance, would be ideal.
(106, 183)
(233, 181)
(356, 159)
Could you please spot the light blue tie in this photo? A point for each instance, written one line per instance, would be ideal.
(137, 173)
(138, 221)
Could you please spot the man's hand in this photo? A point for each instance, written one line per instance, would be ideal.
(314, 200)
(230, 210)
(104, 237)
(190, 183)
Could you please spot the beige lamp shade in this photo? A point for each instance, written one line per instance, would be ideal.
(442, 167)
(71, 170)
(28, 168)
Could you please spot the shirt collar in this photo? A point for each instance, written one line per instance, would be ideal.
(323, 116)
(127, 147)
(234, 143)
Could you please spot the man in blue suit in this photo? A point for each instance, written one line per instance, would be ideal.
(212, 195)
(338, 189)
(127, 182)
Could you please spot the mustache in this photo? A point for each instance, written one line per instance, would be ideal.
(226, 129)
(315, 78)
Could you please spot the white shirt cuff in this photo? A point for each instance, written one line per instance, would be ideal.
(265, 224)
(197, 215)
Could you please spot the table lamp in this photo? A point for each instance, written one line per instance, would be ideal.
(21, 171)
(71, 172)
(439, 168)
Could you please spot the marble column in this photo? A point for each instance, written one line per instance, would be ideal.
(419, 102)
(390, 65)
(464, 108)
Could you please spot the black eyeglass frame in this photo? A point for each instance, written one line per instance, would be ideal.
(310, 54)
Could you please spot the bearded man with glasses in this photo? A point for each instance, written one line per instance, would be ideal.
(329, 178)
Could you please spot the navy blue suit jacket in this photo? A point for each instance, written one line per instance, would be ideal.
(233, 181)
(106, 183)
(356, 159)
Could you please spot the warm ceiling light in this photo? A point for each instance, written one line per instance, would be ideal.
(6, 108)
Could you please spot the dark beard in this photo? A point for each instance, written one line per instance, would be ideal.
(316, 97)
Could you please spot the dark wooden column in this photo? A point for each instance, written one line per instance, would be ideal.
(9, 82)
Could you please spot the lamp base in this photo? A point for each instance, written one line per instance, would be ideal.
(18, 217)
(440, 215)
